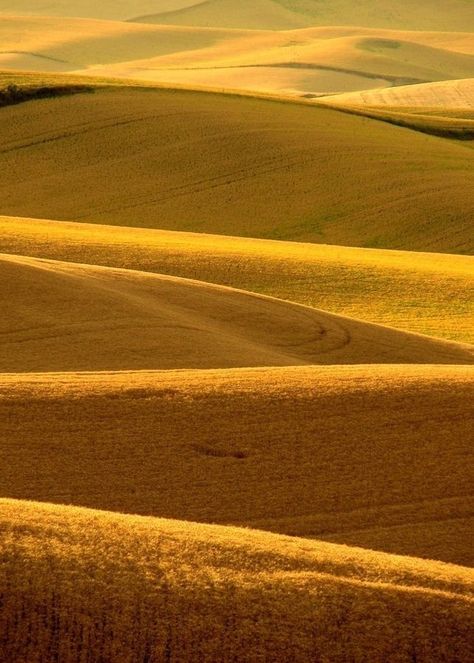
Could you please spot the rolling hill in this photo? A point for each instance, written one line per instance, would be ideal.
(304, 61)
(272, 449)
(447, 96)
(236, 384)
(281, 14)
(312, 61)
(190, 592)
(47, 43)
(426, 293)
(224, 164)
(64, 316)
(106, 9)
(263, 14)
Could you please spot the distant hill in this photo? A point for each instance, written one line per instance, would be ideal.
(284, 14)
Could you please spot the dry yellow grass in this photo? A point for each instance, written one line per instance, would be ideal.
(312, 60)
(61, 316)
(443, 109)
(422, 292)
(375, 456)
(269, 14)
(142, 378)
(58, 44)
(105, 9)
(75, 583)
(281, 14)
(219, 163)
(445, 96)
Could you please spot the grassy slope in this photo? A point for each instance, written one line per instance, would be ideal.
(186, 592)
(268, 448)
(444, 109)
(313, 60)
(63, 316)
(188, 161)
(105, 9)
(305, 61)
(280, 14)
(69, 44)
(425, 293)
(446, 96)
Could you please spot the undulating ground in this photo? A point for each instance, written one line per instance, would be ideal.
(225, 164)
(236, 342)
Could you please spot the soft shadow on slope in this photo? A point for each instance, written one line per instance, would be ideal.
(219, 163)
(62, 316)
(139, 589)
(374, 456)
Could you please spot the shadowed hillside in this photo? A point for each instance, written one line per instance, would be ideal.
(63, 316)
(371, 456)
(188, 161)
(281, 14)
(420, 292)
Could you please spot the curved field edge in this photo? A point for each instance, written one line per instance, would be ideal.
(444, 127)
(21, 86)
(267, 448)
(139, 589)
(421, 292)
(112, 168)
(117, 319)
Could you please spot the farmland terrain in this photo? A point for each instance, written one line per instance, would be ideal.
(237, 331)
(224, 164)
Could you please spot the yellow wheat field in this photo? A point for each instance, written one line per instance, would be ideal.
(217, 163)
(314, 61)
(64, 316)
(422, 292)
(372, 456)
(236, 284)
(124, 589)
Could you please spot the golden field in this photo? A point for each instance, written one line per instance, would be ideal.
(264, 14)
(427, 293)
(223, 164)
(265, 448)
(316, 60)
(121, 319)
(156, 590)
(236, 343)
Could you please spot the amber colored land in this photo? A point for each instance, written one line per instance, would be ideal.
(130, 588)
(306, 61)
(427, 293)
(374, 456)
(228, 165)
(209, 451)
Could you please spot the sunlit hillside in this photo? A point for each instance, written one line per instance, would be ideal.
(370, 456)
(420, 292)
(237, 331)
(127, 589)
(309, 61)
(270, 14)
(232, 165)
(121, 319)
